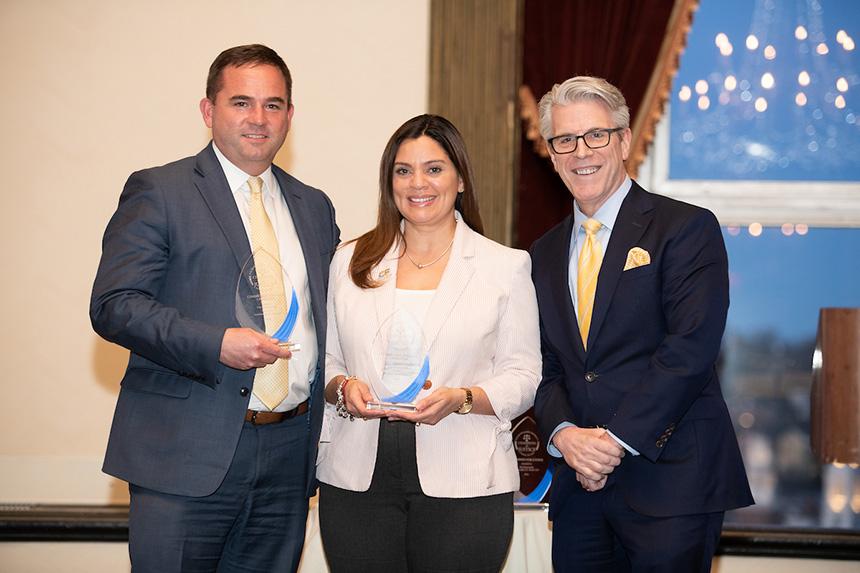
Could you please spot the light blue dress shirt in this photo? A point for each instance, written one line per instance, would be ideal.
(607, 214)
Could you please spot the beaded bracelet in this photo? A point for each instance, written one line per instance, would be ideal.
(340, 407)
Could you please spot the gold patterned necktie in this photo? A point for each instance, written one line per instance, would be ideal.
(272, 382)
(587, 270)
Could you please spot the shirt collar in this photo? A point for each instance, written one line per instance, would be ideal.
(236, 178)
(608, 212)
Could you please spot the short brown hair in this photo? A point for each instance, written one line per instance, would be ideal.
(252, 54)
(371, 247)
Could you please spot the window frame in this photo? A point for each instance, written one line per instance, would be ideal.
(742, 202)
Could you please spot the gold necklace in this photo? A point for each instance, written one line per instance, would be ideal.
(434, 261)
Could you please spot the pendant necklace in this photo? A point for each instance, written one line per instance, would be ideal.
(434, 261)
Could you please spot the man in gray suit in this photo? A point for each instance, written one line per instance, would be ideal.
(219, 470)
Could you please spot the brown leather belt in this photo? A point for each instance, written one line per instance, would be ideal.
(262, 418)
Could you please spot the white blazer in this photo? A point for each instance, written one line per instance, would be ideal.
(482, 330)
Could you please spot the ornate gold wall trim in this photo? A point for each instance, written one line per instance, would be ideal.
(531, 120)
(660, 84)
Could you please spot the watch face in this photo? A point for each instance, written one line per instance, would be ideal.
(467, 405)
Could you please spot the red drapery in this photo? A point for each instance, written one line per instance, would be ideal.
(619, 40)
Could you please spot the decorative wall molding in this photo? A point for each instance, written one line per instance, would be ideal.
(77, 523)
(660, 85)
(770, 203)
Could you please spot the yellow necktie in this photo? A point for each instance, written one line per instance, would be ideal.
(590, 257)
(272, 382)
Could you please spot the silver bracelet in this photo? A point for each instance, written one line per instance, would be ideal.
(340, 407)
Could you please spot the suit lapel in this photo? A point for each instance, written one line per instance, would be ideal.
(303, 221)
(212, 185)
(559, 280)
(455, 278)
(633, 218)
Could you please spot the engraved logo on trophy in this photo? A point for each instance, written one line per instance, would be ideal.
(532, 461)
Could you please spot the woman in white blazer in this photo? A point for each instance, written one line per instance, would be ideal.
(430, 489)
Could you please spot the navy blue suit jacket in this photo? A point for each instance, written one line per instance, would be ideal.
(649, 373)
(165, 289)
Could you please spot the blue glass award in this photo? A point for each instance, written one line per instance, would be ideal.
(401, 362)
(266, 299)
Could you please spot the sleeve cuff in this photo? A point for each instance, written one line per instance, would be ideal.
(553, 451)
(620, 441)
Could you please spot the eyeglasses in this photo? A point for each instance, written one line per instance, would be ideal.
(594, 139)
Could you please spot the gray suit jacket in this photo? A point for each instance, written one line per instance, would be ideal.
(165, 289)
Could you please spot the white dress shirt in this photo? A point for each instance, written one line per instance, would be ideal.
(303, 363)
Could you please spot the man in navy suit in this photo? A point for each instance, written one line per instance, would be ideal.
(630, 401)
(219, 474)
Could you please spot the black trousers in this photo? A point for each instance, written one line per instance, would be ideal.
(394, 527)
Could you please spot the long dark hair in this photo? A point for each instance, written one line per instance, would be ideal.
(372, 246)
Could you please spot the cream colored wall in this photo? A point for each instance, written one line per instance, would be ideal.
(94, 89)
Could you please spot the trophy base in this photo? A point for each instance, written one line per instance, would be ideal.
(291, 346)
(400, 407)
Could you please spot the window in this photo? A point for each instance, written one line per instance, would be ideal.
(770, 131)
(778, 279)
(763, 128)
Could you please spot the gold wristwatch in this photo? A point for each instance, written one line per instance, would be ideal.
(466, 407)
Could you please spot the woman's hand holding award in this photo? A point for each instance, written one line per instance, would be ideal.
(401, 362)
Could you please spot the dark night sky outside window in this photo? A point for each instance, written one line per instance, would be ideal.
(768, 90)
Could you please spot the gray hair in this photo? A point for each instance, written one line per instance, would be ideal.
(581, 88)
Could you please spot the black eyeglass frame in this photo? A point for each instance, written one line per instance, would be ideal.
(607, 130)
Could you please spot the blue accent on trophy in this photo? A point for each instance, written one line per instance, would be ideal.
(538, 493)
(286, 329)
(411, 391)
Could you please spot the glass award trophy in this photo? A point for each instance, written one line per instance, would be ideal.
(401, 362)
(252, 311)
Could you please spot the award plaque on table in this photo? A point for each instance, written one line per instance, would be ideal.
(401, 362)
(251, 309)
(533, 461)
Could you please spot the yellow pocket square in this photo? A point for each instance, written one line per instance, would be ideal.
(637, 257)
